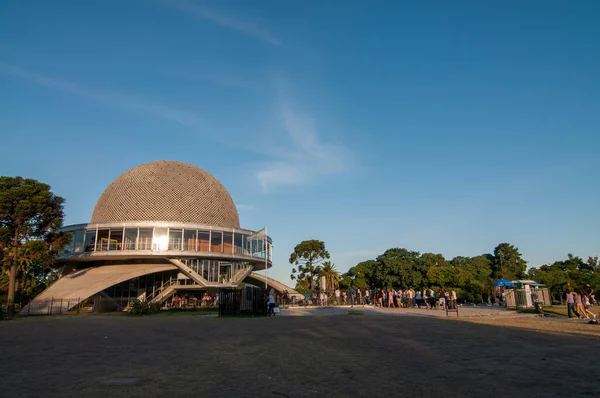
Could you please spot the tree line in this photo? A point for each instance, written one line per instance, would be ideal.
(472, 277)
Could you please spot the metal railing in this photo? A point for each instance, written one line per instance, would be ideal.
(51, 306)
(161, 288)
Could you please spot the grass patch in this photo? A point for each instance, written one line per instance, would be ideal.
(559, 311)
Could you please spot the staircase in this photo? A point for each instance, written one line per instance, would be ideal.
(240, 275)
(163, 292)
(190, 273)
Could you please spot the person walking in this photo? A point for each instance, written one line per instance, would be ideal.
(579, 305)
(571, 305)
(271, 303)
(585, 299)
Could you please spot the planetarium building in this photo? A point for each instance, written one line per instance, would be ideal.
(160, 230)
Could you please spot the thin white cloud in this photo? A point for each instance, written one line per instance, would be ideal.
(219, 79)
(119, 100)
(305, 157)
(219, 18)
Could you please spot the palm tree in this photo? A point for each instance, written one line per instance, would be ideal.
(332, 277)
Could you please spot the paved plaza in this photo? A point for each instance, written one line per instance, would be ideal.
(357, 353)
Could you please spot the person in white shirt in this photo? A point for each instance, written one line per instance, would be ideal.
(271, 303)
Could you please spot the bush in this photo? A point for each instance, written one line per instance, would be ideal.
(139, 307)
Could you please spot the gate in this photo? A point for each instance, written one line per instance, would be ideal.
(249, 301)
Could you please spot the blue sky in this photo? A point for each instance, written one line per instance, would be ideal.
(438, 126)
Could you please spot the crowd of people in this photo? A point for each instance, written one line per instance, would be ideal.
(192, 301)
(389, 298)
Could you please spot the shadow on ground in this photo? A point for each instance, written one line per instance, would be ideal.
(288, 356)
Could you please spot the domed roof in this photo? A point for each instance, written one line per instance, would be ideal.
(167, 191)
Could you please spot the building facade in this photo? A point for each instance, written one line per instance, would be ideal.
(161, 229)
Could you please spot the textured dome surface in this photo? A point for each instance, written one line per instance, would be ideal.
(167, 191)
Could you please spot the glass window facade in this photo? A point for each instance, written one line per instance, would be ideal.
(145, 239)
(160, 239)
(175, 239)
(90, 240)
(203, 241)
(238, 243)
(166, 239)
(115, 239)
(102, 240)
(130, 239)
(78, 240)
(228, 242)
(189, 240)
(216, 241)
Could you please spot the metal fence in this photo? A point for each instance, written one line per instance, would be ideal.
(249, 301)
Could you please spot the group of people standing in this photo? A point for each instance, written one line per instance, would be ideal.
(410, 298)
(389, 298)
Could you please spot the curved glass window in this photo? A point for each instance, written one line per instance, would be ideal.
(175, 239)
(90, 240)
(203, 241)
(160, 240)
(78, 239)
(115, 240)
(145, 239)
(238, 243)
(189, 240)
(227, 242)
(130, 240)
(102, 240)
(216, 242)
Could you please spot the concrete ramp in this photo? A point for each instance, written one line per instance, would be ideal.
(257, 279)
(69, 290)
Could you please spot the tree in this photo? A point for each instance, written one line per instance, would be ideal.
(508, 263)
(30, 220)
(332, 277)
(572, 273)
(307, 257)
(360, 276)
(476, 281)
(400, 268)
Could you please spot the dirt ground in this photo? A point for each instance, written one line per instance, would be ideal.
(336, 356)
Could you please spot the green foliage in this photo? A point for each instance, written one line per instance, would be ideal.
(30, 220)
(332, 277)
(508, 263)
(302, 286)
(572, 273)
(139, 307)
(471, 277)
(307, 258)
